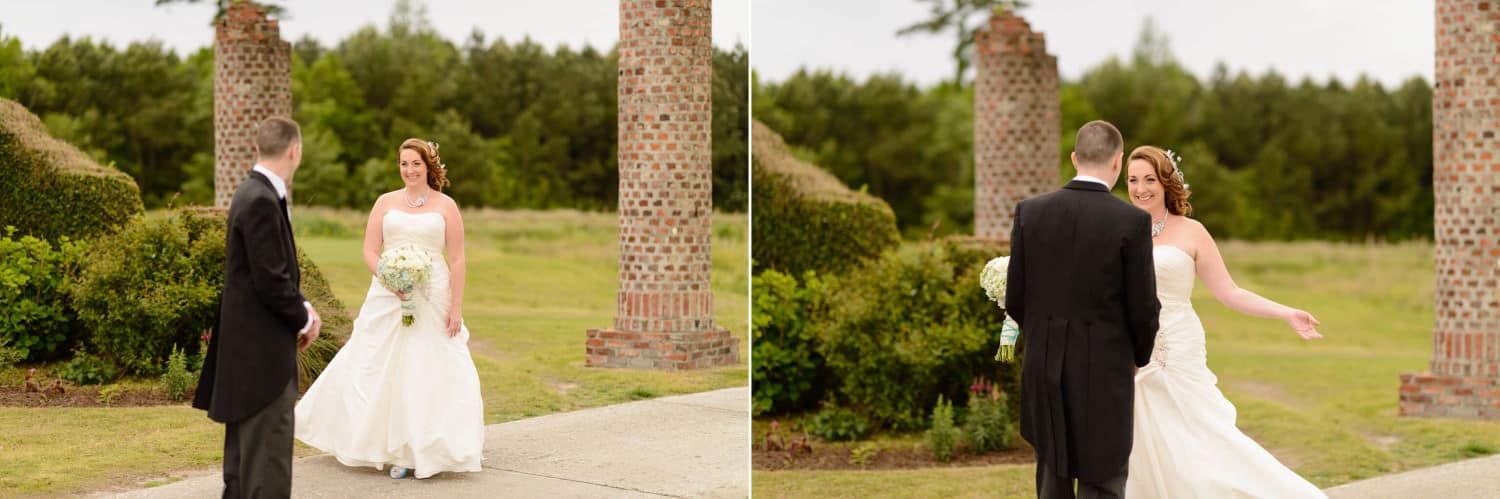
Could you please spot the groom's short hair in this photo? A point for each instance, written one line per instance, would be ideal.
(274, 135)
(1097, 143)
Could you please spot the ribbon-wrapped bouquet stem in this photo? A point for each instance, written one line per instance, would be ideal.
(992, 279)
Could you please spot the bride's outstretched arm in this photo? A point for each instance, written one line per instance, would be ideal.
(1210, 268)
(456, 263)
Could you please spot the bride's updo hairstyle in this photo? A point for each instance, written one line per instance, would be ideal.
(1168, 176)
(437, 172)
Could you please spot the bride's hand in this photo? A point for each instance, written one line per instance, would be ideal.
(1304, 324)
(455, 322)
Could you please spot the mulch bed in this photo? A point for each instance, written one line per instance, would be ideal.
(14, 395)
(837, 456)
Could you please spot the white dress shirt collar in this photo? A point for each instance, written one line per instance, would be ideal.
(276, 181)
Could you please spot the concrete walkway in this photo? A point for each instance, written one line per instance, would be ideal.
(684, 446)
(1473, 478)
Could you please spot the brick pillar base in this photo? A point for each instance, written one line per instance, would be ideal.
(1425, 394)
(1463, 379)
(665, 351)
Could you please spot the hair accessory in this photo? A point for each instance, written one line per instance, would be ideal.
(432, 147)
(1176, 160)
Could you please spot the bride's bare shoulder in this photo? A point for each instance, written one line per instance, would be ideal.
(1198, 229)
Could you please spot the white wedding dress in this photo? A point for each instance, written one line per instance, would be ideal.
(1186, 444)
(400, 395)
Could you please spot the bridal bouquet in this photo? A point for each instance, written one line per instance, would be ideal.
(992, 279)
(402, 269)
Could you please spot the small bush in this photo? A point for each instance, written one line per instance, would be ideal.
(109, 394)
(87, 369)
(837, 424)
(35, 315)
(986, 422)
(788, 371)
(157, 285)
(864, 454)
(942, 438)
(9, 356)
(907, 328)
(151, 287)
(177, 380)
(806, 219)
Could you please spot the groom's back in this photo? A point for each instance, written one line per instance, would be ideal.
(1075, 245)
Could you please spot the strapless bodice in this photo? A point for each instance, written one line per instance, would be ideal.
(426, 231)
(1174, 276)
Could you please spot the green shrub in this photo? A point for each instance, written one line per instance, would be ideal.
(864, 454)
(806, 219)
(109, 394)
(35, 317)
(177, 380)
(942, 438)
(987, 423)
(837, 424)
(908, 327)
(788, 371)
(9, 356)
(87, 369)
(157, 285)
(50, 189)
(150, 287)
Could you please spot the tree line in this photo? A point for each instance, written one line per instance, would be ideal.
(521, 125)
(1266, 158)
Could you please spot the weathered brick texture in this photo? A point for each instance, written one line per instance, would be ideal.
(664, 310)
(1465, 367)
(252, 82)
(1016, 122)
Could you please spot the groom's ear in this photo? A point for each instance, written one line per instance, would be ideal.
(1074, 157)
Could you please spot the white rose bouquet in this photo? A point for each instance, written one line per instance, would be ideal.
(992, 279)
(403, 269)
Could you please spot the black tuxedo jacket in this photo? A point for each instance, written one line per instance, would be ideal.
(1082, 286)
(252, 354)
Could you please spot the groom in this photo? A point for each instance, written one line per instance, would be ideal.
(1082, 285)
(249, 377)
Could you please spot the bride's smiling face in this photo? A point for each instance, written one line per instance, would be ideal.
(413, 169)
(1145, 189)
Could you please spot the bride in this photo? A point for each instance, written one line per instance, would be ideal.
(405, 396)
(1186, 443)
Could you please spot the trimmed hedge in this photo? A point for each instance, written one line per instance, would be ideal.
(806, 219)
(50, 189)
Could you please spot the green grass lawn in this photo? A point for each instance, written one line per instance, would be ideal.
(536, 282)
(1327, 408)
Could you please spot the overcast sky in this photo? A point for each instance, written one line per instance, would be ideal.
(185, 27)
(1389, 40)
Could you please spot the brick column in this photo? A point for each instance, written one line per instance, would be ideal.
(664, 307)
(252, 82)
(1016, 122)
(1466, 189)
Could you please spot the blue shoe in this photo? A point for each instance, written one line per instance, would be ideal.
(398, 472)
